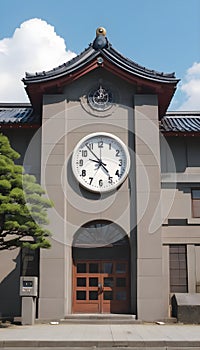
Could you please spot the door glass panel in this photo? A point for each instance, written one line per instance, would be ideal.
(108, 295)
(81, 268)
(121, 295)
(108, 282)
(120, 268)
(121, 282)
(107, 267)
(93, 295)
(81, 295)
(81, 282)
(93, 268)
(93, 281)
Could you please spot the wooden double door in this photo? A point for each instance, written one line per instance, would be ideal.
(101, 286)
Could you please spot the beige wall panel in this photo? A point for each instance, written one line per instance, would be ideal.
(151, 301)
(56, 159)
(143, 149)
(148, 178)
(51, 308)
(180, 234)
(54, 107)
(57, 250)
(149, 160)
(53, 131)
(191, 268)
(149, 267)
(151, 309)
(53, 174)
(180, 203)
(55, 193)
(148, 287)
(50, 287)
(53, 149)
(149, 245)
(147, 106)
(166, 284)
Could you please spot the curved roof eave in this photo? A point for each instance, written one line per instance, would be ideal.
(112, 56)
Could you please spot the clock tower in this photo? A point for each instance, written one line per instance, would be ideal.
(100, 164)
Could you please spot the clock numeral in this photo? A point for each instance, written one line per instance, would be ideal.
(84, 153)
(117, 152)
(117, 173)
(120, 162)
(81, 162)
(110, 146)
(83, 172)
(91, 179)
(110, 180)
(100, 183)
(100, 144)
(90, 145)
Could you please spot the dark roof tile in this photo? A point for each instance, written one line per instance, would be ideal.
(111, 55)
(16, 114)
(181, 122)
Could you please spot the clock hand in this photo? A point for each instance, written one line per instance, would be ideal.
(93, 153)
(101, 164)
(98, 161)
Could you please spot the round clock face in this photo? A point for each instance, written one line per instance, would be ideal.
(100, 162)
(100, 99)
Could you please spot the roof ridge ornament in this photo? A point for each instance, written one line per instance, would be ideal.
(100, 42)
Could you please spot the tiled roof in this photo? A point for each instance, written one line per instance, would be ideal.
(108, 53)
(16, 114)
(180, 122)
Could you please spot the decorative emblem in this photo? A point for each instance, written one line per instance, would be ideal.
(100, 99)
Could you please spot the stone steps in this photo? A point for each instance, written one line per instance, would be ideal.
(100, 319)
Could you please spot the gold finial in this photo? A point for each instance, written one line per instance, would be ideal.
(100, 31)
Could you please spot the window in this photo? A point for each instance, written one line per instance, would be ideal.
(196, 203)
(178, 268)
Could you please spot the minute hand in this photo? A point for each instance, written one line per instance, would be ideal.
(93, 153)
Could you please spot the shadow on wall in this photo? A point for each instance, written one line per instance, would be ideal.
(10, 303)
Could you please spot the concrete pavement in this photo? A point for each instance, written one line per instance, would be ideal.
(109, 336)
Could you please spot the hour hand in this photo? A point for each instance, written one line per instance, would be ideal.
(94, 160)
(98, 161)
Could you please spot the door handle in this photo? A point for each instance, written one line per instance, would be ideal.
(100, 288)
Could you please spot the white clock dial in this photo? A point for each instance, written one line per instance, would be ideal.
(100, 162)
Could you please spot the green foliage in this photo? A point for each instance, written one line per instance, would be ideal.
(23, 209)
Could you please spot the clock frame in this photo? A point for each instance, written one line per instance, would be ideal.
(100, 162)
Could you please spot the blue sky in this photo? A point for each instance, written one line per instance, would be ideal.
(158, 34)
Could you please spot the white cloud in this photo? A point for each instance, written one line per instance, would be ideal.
(35, 46)
(191, 88)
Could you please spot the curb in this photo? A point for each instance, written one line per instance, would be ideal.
(166, 344)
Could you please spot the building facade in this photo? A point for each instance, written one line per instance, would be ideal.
(123, 174)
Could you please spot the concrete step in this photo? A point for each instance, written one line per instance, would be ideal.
(100, 319)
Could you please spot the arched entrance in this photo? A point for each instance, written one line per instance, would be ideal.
(101, 280)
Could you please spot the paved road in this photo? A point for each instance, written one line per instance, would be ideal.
(77, 336)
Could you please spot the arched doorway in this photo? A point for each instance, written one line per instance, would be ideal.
(101, 280)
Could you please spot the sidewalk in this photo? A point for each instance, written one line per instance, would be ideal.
(130, 336)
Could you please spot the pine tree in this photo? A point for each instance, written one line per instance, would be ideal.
(23, 208)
